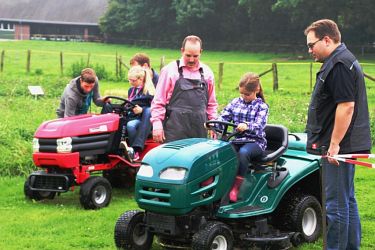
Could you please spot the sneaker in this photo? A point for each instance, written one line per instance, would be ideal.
(136, 156)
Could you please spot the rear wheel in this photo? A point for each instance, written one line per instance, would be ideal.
(95, 193)
(131, 233)
(37, 195)
(214, 235)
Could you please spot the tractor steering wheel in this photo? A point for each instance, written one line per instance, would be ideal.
(125, 106)
(221, 129)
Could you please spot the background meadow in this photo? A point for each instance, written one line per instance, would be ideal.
(62, 223)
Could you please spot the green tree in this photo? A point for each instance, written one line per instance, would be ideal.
(138, 19)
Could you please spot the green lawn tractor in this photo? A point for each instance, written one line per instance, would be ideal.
(183, 188)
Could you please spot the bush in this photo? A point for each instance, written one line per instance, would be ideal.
(38, 72)
(76, 68)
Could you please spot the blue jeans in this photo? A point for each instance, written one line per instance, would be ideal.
(246, 153)
(139, 129)
(344, 226)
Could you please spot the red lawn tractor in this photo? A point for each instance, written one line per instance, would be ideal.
(84, 151)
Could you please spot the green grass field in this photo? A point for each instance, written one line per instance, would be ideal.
(62, 223)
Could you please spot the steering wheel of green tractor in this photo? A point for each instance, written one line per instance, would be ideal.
(125, 106)
(225, 130)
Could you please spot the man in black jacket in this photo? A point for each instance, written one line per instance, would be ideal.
(338, 119)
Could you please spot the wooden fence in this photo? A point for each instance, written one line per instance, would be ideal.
(121, 67)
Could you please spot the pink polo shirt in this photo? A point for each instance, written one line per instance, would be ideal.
(167, 79)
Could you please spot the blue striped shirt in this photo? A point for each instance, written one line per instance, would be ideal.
(254, 114)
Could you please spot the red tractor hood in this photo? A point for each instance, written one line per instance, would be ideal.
(78, 126)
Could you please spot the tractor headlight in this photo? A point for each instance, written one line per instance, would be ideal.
(64, 145)
(173, 173)
(145, 171)
(36, 145)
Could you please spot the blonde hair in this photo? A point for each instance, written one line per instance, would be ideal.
(139, 72)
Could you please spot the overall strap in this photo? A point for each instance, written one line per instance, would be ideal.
(202, 75)
(179, 69)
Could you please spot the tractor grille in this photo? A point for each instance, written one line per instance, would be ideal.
(49, 182)
(79, 143)
(159, 196)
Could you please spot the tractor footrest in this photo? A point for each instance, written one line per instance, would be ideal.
(49, 182)
(245, 209)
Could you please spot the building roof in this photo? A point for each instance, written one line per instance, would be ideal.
(79, 12)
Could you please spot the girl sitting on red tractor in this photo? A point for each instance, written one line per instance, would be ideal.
(138, 125)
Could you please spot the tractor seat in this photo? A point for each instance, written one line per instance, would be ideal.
(277, 143)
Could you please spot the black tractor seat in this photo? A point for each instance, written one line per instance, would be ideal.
(277, 143)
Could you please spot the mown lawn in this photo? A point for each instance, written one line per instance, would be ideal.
(62, 223)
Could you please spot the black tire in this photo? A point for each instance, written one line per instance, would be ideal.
(37, 195)
(95, 193)
(302, 214)
(130, 232)
(214, 235)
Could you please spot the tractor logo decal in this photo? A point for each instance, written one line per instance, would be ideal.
(264, 199)
(101, 128)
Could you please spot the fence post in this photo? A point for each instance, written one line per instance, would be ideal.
(275, 78)
(162, 62)
(120, 69)
(2, 61)
(221, 71)
(61, 63)
(88, 60)
(28, 61)
(117, 66)
(311, 79)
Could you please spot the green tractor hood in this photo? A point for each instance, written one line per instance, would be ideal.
(179, 176)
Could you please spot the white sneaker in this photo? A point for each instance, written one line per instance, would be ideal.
(128, 151)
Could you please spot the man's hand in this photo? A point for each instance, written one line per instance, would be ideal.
(106, 99)
(242, 127)
(333, 150)
(158, 135)
(137, 110)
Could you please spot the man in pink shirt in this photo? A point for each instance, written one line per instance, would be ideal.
(185, 96)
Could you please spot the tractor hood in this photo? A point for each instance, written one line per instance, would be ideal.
(173, 177)
(78, 126)
(197, 156)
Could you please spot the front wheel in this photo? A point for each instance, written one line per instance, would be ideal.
(95, 193)
(301, 213)
(37, 195)
(131, 233)
(214, 235)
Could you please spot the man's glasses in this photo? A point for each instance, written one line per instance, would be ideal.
(311, 45)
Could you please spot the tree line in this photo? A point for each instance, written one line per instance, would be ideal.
(232, 25)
